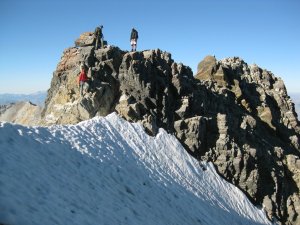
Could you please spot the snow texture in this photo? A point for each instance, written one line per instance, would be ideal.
(109, 171)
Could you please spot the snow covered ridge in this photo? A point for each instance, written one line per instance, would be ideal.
(109, 171)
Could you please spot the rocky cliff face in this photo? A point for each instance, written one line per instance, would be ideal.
(235, 115)
(258, 142)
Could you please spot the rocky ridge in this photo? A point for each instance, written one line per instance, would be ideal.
(25, 113)
(236, 115)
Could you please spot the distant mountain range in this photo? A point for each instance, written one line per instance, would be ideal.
(296, 99)
(37, 98)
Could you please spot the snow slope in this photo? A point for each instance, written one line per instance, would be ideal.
(109, 171)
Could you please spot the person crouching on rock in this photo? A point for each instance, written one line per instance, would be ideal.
(133, 39)
(83, 81)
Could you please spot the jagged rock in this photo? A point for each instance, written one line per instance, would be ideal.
(235, 115)
(250, 157)
(206, 68)
(191, 131)
(128, 108)
(85, 39)
(210, 69)
(64, 104)
(293, 201)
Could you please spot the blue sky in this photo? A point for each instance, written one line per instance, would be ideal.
(34, 34)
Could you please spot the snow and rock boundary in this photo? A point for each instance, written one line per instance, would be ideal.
(109, 171)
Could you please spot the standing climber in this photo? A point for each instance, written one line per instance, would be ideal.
(133, 39)
(99, 37)
(83, 80)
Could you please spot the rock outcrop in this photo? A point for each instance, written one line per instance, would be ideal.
(236, 115)
(25, 113)
(258, 144)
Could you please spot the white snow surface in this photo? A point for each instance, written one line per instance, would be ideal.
(109, 171)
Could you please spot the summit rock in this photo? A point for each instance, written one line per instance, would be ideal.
(237, 116)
